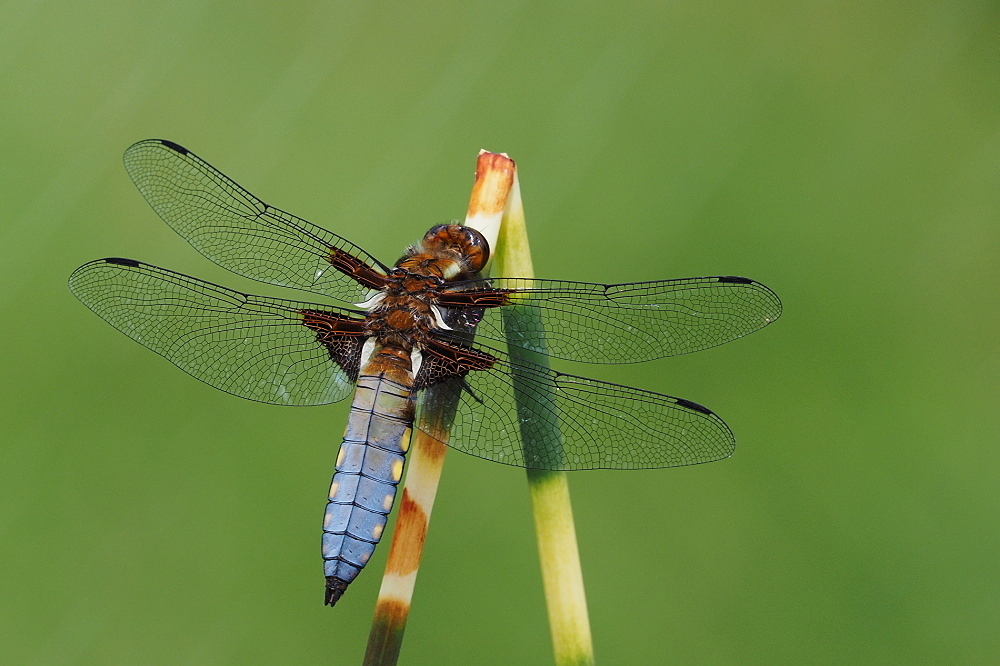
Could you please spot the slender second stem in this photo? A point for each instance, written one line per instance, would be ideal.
(558, 554)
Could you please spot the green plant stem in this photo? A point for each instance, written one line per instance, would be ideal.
(559, 556)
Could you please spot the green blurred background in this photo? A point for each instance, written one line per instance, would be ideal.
(845, 154)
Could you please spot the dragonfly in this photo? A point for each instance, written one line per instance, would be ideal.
(431, 324)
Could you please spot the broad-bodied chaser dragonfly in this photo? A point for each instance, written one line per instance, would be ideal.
(410, 329)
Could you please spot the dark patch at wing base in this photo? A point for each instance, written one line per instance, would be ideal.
(356, 269)
(342, 336)
(443, 361)
(474, 298)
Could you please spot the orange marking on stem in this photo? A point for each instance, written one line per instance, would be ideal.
(494, 178)
(432, 448)
(391, 611)
(408, 540)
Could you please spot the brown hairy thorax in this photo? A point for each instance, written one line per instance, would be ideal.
(404, 316)
(407, 311)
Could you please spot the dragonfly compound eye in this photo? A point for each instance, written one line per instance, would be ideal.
(466, 241)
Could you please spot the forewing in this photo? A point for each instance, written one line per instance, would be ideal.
(622, 323)
(570, 423)
(240, 232)
(250, 346)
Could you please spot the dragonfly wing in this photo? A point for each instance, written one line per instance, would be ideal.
(264, 349)
(241, 233)
(568, 422)
(619, 323)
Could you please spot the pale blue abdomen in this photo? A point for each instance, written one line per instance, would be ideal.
(369, 466)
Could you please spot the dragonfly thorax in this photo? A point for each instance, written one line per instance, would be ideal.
(406, 311)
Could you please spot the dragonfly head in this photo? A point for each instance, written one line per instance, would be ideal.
(464, 246)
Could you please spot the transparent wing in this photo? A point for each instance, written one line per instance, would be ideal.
(572, 423)
(625, 323)
(250, 346)
(240, 232)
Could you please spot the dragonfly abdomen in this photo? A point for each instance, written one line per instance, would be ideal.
(369, 466)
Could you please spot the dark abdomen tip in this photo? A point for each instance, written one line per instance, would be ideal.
(334, 590)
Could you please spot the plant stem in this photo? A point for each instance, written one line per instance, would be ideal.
(558, 554)
(393, 605)
(494, 176)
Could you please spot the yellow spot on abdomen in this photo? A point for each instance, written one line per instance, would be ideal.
(397, 470)
(387, 502)
(404, 443)
(333, 489)
(377, 531)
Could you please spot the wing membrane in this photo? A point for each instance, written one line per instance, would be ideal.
(571, 423)
(625, 323)
(237, 230)
(250, 346)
